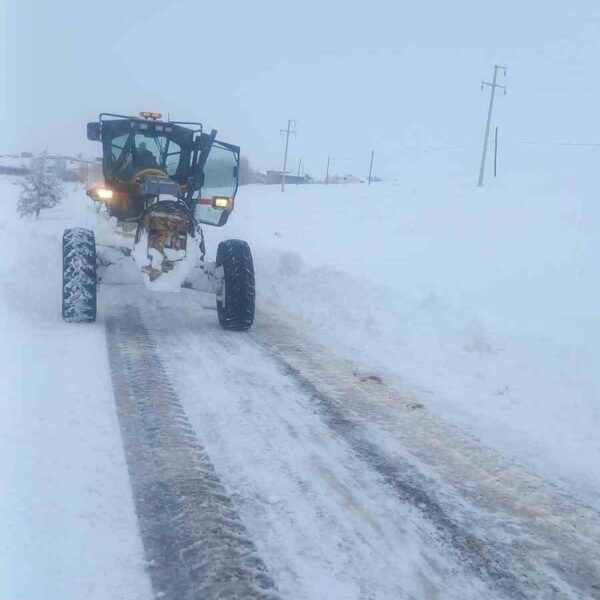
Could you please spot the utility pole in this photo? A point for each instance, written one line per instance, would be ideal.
(327, 175)
(496, 152)
(371, 166)
(299, 167)
(486, 138)
(287, 143)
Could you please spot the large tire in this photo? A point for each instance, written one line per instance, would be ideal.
(79, 276)
(236, 311)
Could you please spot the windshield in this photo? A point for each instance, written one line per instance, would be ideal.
(134, 152)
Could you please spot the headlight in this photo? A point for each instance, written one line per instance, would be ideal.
(103, 194)
(223, 202)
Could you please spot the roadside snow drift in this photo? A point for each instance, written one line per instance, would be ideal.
(68, 525)
(483, 301)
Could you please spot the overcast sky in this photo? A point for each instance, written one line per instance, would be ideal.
(401, 77)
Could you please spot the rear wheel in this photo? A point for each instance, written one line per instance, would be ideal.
(236, 308)
(79, 275)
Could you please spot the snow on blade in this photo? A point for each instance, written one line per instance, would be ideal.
(184, 264)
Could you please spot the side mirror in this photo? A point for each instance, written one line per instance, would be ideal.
(93, 131)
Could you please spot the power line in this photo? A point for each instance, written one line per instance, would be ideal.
(371, 166)
(496, 152)
(287, 143)
(486, 137)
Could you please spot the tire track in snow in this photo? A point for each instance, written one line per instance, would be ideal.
(523, 537)
(195, 544)
(322, 520)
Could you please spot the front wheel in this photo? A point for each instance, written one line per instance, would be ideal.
(235, 306)
(79, 275)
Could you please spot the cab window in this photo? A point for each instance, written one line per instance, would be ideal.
(165, 152)
(117, 145)
(220, 179)
(220, 173)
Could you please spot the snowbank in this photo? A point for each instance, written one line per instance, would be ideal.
(482, 301)
(66, 513)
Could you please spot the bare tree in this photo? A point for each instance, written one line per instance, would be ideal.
(41, 188)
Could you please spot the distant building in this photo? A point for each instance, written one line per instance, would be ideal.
(349, 179)
(14, 164)
(274, 178)
(68, 168)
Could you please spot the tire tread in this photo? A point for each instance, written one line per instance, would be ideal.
(237, 313)
(79, 275)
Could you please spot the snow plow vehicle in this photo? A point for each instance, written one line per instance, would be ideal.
(164, 179)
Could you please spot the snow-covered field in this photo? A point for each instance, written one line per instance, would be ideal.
(482, 301)
(478, 303)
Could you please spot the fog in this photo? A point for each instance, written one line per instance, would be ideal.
(402, 78)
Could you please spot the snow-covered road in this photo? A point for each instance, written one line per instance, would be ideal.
(325, 478)
(350, 489)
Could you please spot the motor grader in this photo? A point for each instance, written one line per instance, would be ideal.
(163, 179)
